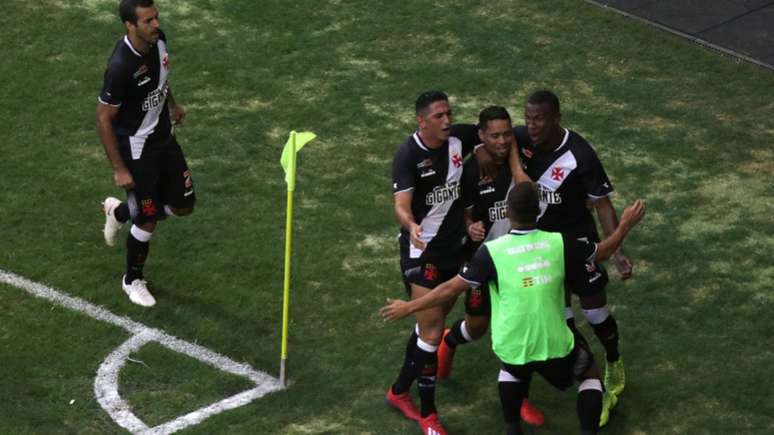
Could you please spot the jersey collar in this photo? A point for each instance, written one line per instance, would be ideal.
(129, 44)
(516, 232)
(564, 141)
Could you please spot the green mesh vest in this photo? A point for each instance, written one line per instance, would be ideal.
(528, 298)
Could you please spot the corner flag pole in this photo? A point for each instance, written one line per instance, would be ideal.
(288, 161)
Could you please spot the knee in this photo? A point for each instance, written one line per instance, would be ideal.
(477, 326)
(431, 335)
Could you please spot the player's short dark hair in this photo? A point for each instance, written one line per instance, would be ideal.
(490, 114)
(127, 9)
(545, 97)
(425, 99)
(523, 202)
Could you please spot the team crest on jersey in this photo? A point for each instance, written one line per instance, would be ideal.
(591, 267)
(557, 173)
(456, 160)
(165, 61)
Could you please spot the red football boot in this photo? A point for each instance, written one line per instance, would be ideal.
(531, 415)
(445, 358)
(431, 425)
(402, 403)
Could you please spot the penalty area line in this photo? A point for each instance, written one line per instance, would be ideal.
(106, 381)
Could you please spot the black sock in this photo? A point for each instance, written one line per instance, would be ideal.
(511, 396)
(607, 333)
(407, 372)
(455, 336)
(136, 253)
(426, 381)
(121, 213)
(589, 408)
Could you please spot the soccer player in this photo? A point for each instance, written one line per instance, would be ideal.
(484, 198)
(568, 174)
(527, 271)
(134, 120)
(427, 171)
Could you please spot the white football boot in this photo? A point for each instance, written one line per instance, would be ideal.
(111, 224)
(138, 292)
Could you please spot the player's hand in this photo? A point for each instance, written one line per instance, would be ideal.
(624, 265)
(176, 113)
(394, 310)
(477, 231)
(486, 163)
(123, 178)
(416, 232)
(633, 214)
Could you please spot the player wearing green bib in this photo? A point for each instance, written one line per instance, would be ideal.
(527, 270)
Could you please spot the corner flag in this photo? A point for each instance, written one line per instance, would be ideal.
(295, 142)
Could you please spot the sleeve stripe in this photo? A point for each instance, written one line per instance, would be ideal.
(404, 190)
(107, 104)
(470, 282)
(599, 197)
(593, 254)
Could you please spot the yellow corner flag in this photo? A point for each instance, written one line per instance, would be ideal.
(295, 142)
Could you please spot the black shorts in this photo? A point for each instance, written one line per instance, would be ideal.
(478, 301)
(589, 281)
(428, 270)
(161, 177)
(592, 278)
(559, 372)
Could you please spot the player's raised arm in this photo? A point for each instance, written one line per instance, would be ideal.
(514, 161)
(397, 309)
(631, 217)
(608, 219)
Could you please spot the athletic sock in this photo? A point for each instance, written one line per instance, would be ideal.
(589, 407)
(607, 333)
(136, 253)
(407, 372)
(511, 396)
(121, 213)
(426, 358)
(457, 335)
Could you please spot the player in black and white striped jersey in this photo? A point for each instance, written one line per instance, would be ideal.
(427, 172)
(134, 120)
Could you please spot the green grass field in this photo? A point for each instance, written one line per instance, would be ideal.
(688, 130)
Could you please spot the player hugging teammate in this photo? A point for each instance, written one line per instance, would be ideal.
(448, 208)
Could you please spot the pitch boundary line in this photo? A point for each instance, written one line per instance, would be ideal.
(106, 381)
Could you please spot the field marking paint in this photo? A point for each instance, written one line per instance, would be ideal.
(106, 382)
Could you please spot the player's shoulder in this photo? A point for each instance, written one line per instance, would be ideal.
(122, 58)
(408, 149)
(580, 147)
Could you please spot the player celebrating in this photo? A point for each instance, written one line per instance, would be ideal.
(427, 172)
(569, 174)
(484, 198)
(527, 271)
(133, 121)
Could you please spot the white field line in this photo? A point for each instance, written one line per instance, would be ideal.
(106, 382)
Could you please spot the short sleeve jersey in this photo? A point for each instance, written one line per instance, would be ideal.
(566, 177)
(434, 176)
(487, 198)
(137, 85)
(481, 268)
